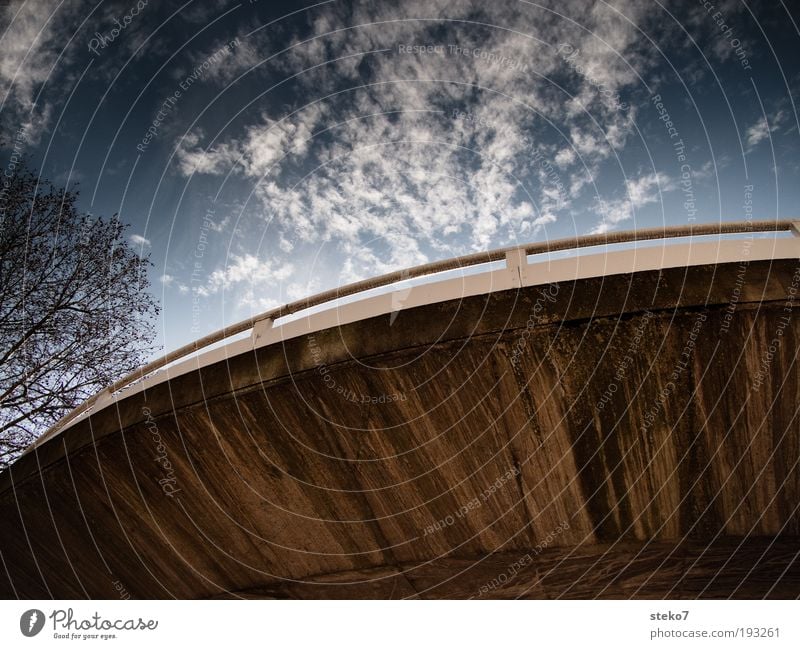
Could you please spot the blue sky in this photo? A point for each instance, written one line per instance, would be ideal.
(266, 151)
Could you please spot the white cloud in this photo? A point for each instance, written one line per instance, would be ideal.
(762, 129)
(139, 240)
(248, 268)
(389, 173)
(565, 157)
(641, 191)
(249, 282)
(34, 32)
(264, 144)
(243, 56)
(211, 160)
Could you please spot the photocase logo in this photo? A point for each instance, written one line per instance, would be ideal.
(31, 622)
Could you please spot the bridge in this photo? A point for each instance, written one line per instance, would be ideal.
(604, 416)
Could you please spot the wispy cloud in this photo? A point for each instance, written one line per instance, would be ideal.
(762, 129)
(249, 282)
(641, 191)
(31, 35)
(429, 154)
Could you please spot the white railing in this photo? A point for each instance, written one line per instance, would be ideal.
(514, 256)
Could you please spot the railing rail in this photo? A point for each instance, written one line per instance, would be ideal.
(572, 243)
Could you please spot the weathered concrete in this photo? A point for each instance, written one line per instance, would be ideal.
(496, 456)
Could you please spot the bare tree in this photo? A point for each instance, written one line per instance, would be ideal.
(74, 311)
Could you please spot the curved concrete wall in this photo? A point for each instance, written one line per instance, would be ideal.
(634, 435)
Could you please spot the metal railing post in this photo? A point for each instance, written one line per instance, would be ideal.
(261, 328)
(517, 264)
